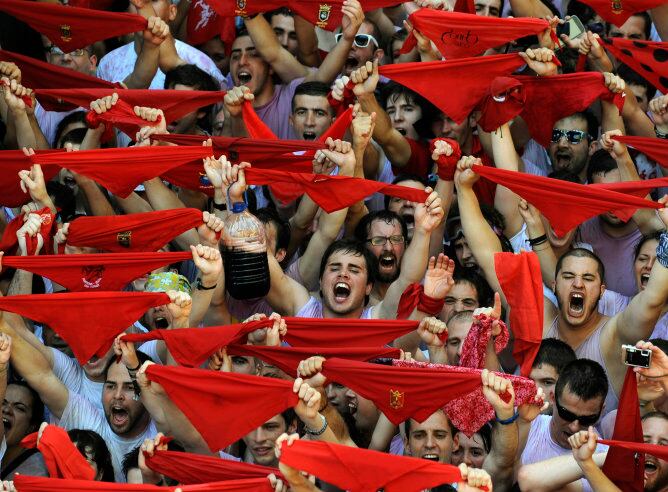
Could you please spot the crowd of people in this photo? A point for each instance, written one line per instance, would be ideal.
(460, 204)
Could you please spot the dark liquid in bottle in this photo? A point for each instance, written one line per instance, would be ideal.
(246, 274)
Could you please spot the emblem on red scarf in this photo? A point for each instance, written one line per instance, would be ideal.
(241, 8)
(124, 238)
(616, 6)
(396, 399)
(323, 15)
(91, 276)
(65, 33)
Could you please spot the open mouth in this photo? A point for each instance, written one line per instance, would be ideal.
(6, 423)
(563, 158)
(161, 322)
(644, 278)
(387, 261)
(309, 135)
(341, 291)
(409, 218)
(430, 457)
(244, 77)
(119, 416)
(651, 466)
(576, 304)
(402, 131)
(352, 406)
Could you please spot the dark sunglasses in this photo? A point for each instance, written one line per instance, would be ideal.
(574, 137)
(568, 416)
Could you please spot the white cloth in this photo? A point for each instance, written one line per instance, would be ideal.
(48, 121)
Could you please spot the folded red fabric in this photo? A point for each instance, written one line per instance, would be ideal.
(121, 116)
(110, 167)
(462, 83)
(617, 12)
(9, 243)
(520, 279)
(27, 100)
(624, 467)
(344, 333)
(647, 58)
(458, 35)
(42, 484)
(204, 24)
(147, 231)
(447, 164)
(71, 28)
(94, 272)
(474, 348)
(11, 162)
(188, 468)
(190, 347)
(401, 392)
(61, 456)
(223, 397)
(548, 195)
(288, 358)
(173, 103)
(64, 314)
(656, 148)
(362, 470)
(549, 99)
(658, 450)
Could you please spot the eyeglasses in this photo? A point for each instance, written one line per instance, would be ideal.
(361, 40)
(568, 416)
(54, 50)
(382, 240)
(574, 137)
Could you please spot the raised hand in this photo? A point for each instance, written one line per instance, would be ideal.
(126, 351)
(663, 212)
(615, 148)
(353, 16)
(613, 82)
(439, 277)
(311, 370)
(32, 181)
(529, 411)
(464, 175)
(492, 312)
(148, 448)
(5, 349)
(14, 93)
(428, 215)
(540, 60)
(156, 31)
(308, 405)
(234, 179)
(235, 97)
(474, 480)
(365, 78)
(493, 386)
(583, 444)
(658, 108)
(339, 153)
(362, 128)
(30, 228)
(179, 308)
(10, 70)
(209, 262)
(104, 104)
(658, 367)
(210, 229)
(431, 330)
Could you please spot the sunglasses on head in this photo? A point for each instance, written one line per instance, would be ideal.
(573, 136)
(361, 40)
(568, 416)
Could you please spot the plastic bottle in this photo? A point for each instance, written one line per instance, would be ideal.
(245, 255)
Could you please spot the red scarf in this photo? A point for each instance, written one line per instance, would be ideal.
(344, 333)
(362, 470)
(190, 347)
(617, 12)
(447, 164)
(189, 468)
(10, 243)
(223, 397)
(26, 99)
(647, 58)
(288, 358)
(401, 392)
(174, 103)
(77, 316)
(458, 35)
(520, 279)
(61, 456)
(111, 169)
(36, 73)
(465, 6)
(660, 451)
(13, 161)
(41, 484)
(621, 466)
(549, 99)
(656, 148)
(204, 24)
(474, 349)
(548, 195)
(121, 116)
(148, 231)
(461, 84)
(71, 28)
(94, 272)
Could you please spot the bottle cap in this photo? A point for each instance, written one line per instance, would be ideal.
(238, 207)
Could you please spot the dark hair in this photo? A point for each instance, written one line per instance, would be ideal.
(585, 378)
(581, 253)
(364, 225)
(140, 355)
(312, 88)
(394, 90)
(655, 415)
(485, 433)
(74, 117)
(63, 198)
(555, 353)
(356, 248)
(37, 416)
(643, 239)
(453, 429)
(101, 456)
(645, 16)
(279, 11)
(583, 11)
(630, 76)
(591, 121)
(600, 162)
(565, 175)
(199, 80)
(405, 177)
(376, 33)
(268, 214)
(479, 283)
(131, 460)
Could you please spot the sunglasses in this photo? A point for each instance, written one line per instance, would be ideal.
(382, 240)
(574, 137)
(361, 40)
(568, 416)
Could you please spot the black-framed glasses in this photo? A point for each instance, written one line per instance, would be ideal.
(568, 416)
(360, 40)
(382, 240)
(574, 137)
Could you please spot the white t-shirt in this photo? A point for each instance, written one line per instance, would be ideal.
(82, 414)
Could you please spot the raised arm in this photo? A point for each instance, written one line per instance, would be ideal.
(148, 59)
(506, 157)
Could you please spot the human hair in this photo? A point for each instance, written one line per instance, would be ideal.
(453, 429)
(581, 253)
(267, 215)
(643, 239)
(555, 353)
(364, 225)
(193, 76)
(583, 11)
(393, 90)
(478, 282)
(630, 76)
(600, 162)
(585, 378)
(63, 199)
(312, 88)
(564, 175)
(351, 246)
(376, 32)
(647, 30)
(590, 120)
(73, 117)
(140, 355)
(656, 414)
(37, 416)
(279, 11)
(131, 460)
(462, 317)
(83, 438)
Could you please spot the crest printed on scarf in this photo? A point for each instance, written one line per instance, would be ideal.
(323, 15)
(396, 399)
